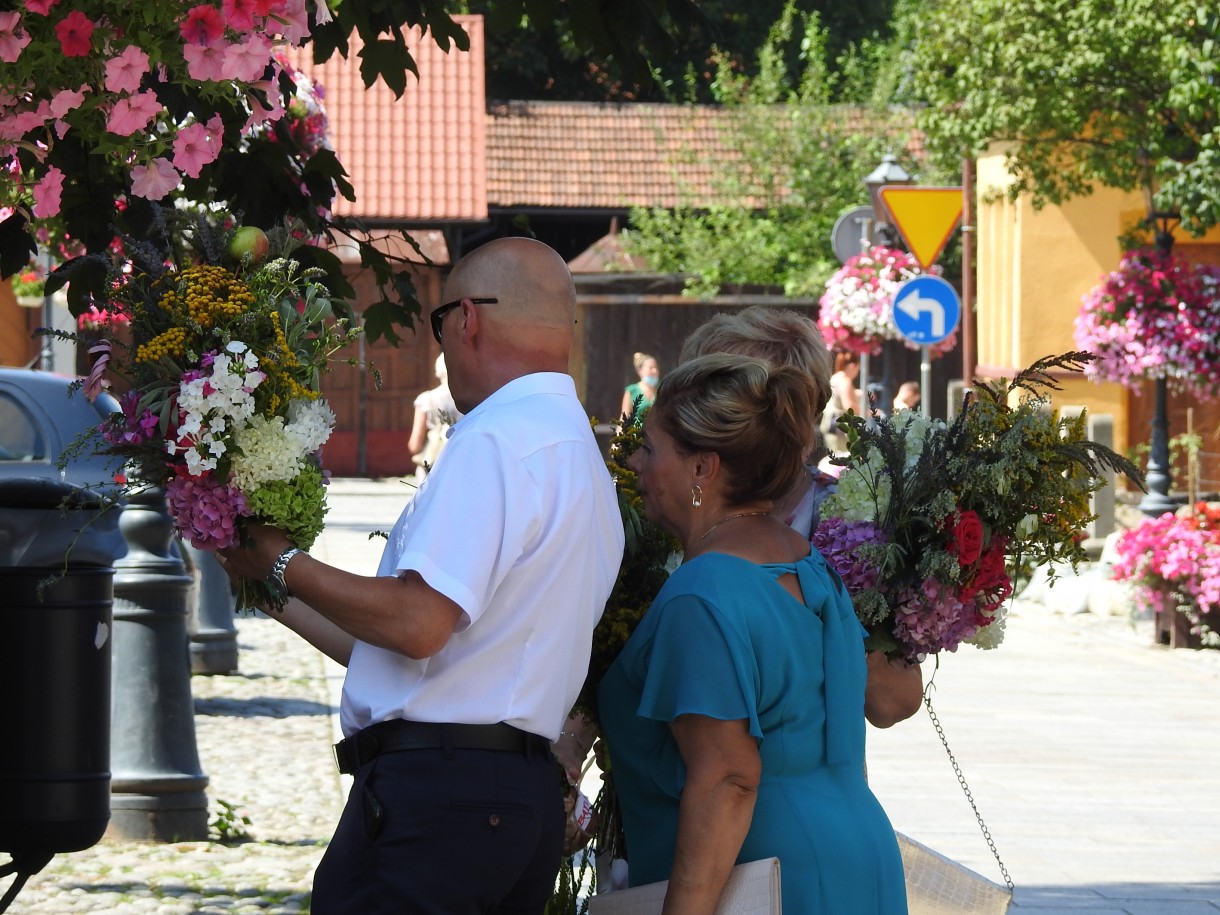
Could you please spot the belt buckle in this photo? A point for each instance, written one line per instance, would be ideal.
(347, 756)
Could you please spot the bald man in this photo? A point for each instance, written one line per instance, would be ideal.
(467, 650)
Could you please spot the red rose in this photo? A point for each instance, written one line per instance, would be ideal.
(967, 538)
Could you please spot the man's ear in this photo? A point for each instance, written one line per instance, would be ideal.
(468, 326)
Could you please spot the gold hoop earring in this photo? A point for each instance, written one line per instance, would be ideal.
(696, 495)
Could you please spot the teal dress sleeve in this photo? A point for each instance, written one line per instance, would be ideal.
(694, 650)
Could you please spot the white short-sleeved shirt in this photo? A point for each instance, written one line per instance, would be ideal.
(519, 525)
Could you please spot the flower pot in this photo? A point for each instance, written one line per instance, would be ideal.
(1173, 628)
(30, 301)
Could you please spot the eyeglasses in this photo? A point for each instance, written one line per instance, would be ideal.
(438, 316)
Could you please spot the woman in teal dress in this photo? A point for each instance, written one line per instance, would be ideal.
(734, 715)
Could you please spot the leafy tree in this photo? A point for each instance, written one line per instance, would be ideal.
(535, 49)
(798, 162)
(1117, 93)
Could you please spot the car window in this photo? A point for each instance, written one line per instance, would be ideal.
(20, 439)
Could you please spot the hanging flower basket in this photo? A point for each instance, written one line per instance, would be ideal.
(856, 310)
(1156, 316)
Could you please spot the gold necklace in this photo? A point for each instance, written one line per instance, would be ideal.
(725, 519)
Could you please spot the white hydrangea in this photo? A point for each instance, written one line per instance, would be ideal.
(311, 421)
(268, 452)
(991, 635)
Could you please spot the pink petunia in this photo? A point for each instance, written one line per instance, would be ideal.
(246, 60)
(197, 145)
(152, 182)
(93, 385)
(75, 34)
(13, 37)
(125, 71)
(294, 20)
(239, 14)
(203, 25)
(48, 193)
(205, 63)
(66, 101)
(133, 113)
(40, 7)
(17, 126)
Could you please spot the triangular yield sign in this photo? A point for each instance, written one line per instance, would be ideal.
(926, 217)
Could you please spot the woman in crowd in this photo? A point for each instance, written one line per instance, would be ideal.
(641, 394)
(733, 712)
(844, 396)
(784, 337)
(435, 412)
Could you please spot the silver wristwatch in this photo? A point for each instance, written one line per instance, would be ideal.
(276, 579)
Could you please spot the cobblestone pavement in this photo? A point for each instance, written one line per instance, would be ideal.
(262, 735)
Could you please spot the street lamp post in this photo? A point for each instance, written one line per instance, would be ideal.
(1157, 479)
(887, 174)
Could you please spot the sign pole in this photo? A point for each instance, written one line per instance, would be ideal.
(925, 379)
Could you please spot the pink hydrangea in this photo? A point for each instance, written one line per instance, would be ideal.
(206, 511)
(933, 618)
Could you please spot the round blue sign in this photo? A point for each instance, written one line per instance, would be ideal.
(926, 310)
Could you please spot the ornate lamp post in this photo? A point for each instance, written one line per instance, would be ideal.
(887, 174)
(1156, 500)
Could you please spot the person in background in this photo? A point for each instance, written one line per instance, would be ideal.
(466, 652)
(785, 337)
(844, 396)
(435, 412)
(641, 394)
(907, 397)
(733, 711)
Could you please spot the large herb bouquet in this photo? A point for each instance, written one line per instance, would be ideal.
(229, 336)
(929, 520)
(1156, 316)
(1174, 563)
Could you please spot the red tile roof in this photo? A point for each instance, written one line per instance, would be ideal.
(419, 158)
(585, 155)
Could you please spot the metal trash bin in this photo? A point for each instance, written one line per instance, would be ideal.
(56, 600)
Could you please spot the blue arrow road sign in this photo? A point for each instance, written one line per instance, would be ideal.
(926, 310)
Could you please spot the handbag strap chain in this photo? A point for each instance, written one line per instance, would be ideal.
(961, 780)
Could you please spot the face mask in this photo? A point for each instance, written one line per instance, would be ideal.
(650, 380)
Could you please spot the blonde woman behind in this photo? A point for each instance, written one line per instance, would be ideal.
(435, 412)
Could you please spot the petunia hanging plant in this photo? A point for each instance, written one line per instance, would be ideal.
(855, 312)
(1156, 316)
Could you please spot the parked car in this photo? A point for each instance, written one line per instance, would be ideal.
(41, 418)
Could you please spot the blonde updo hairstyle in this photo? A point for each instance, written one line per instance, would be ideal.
(778, 336)
(758, 419)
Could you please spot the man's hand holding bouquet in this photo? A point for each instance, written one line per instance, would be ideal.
(228, 338)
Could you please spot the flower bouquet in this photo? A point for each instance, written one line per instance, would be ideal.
(228, 340)
(1174, 563)
(1156, 316)
(855, 310)
(930, 521)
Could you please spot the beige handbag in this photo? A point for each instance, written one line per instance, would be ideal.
(937, 885)
(753, 889)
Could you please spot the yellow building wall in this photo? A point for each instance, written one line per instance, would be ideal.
(1033, 269)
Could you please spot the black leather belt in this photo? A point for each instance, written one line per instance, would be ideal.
(397, 734)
